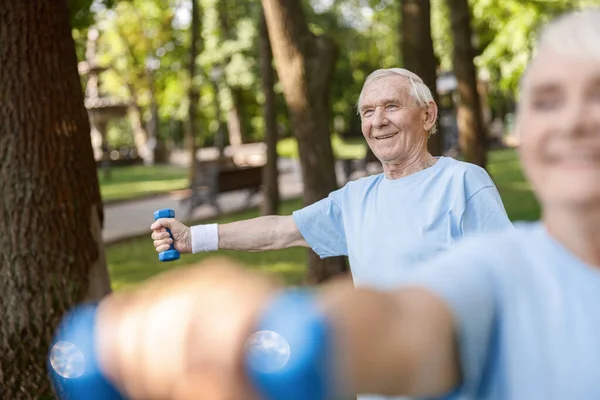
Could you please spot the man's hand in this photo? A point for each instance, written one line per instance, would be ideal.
(182, 237)
(181, 335)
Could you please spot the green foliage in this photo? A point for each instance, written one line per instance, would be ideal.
(135, 33)
(366, 34)
(506, 31)
(441, 33)
(83, 11)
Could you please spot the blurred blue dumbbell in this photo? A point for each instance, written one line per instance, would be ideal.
(171, 254)
(287, 358)
(73, 361)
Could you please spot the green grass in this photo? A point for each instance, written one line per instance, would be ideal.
(132, 182)
(138, 181)
(346, 148)
(136, 260)
(505, 168)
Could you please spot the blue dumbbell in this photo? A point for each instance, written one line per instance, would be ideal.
(171, 254)
(73, 362)
(287, 358)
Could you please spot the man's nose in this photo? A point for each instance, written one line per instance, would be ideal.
(379, 118)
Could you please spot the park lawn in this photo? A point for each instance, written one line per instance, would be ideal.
(135, 260)
(131, 182)
(342, 148)
(139, 180)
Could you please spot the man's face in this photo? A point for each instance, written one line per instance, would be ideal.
(393, 123)
(559, 126)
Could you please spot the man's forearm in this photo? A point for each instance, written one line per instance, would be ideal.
(260, 234)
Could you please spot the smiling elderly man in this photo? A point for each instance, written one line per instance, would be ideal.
(419, 206)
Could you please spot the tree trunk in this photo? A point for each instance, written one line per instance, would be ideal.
(193, 95)
(235, 125)
(140, 136)
(152, 126)
(305, 65)
(472, 135)
(418, 54)
(270, 203)
(235, 119)
(51, 250)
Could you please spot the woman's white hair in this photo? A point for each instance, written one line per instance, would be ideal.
(420, 91)
(573, 34)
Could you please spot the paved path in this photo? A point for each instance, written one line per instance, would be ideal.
(133, 218)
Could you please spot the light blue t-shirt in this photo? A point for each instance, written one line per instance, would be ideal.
(527, 314)
(386, 226)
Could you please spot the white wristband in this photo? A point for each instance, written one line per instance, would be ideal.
(205, 238)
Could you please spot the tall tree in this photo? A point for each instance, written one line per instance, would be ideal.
(235, 125)
(51, 249)
(418, 54)
(305, 65)
(193, 95)
(472, 132)
(270, 203)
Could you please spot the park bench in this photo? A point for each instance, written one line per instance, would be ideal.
(216, 177)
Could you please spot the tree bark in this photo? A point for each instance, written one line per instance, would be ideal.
(136, 112)
(152, 127)
(305, 65)
(472, 133)
(140, 136)
(235, 118)
(51, 250)
(418, 54)
(270, 203)
(193, 95)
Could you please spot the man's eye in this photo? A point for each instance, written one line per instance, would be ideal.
(391, 107)
(368, 113)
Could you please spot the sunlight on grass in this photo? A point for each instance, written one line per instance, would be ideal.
(136, 260)
(130, 190)
(519, 201)
(347, 148)
(137, 181)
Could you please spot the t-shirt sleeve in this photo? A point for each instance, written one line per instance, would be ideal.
(322, 225)
(462, 279)
(484, 212)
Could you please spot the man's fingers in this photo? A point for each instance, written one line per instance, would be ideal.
(162, 247)
(165, 328)
(116, 344)
(162, 223)
(205, 385)
(161, 242)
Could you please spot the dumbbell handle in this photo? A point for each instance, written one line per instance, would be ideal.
(293, 317)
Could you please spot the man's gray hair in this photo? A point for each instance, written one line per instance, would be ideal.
(574, 34)
(420, 91)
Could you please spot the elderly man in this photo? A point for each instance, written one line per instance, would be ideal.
(509, 315)
(419, 206)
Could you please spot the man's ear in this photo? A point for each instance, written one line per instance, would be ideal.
(429, 116)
